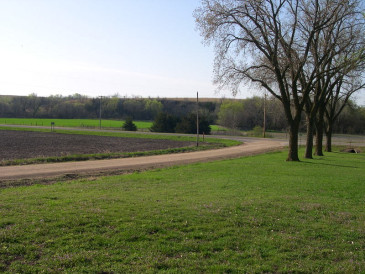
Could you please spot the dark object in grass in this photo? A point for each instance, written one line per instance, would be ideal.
(351, 150)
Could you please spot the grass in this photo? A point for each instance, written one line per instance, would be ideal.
(209, 143)
(81, 123)
(254, 214)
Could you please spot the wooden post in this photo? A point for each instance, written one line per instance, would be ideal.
(197, 119)
(100, 113)
(264, 127)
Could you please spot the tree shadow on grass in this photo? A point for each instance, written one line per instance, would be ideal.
(327, 164)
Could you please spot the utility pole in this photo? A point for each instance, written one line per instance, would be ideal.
(264, 127)
(100, 112)
(197, 119)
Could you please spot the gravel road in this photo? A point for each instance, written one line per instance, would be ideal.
(251, 146)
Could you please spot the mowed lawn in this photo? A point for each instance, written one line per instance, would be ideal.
(254, 214)
(82, 123)
(91, 123)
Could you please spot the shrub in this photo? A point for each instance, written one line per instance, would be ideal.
(188, 124)
(164, 122)
(129, 125)
(258, 131)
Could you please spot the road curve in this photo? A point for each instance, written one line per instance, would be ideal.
(251, 146)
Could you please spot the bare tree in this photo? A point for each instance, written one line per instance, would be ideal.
(345, 40)
(337, 81)
(339, 92)
(267, 42)
(339, 97)
(322, 62)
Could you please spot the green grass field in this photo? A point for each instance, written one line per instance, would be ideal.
(88, 123)
(82, 123)
(254, 214)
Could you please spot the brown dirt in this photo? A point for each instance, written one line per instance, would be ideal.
(27, 144)
(48, 173)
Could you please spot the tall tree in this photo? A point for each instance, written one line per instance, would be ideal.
(344, 88)
(345, 40)
(266, 42)
(341, 48)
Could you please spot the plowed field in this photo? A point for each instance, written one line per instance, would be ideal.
(27, 144)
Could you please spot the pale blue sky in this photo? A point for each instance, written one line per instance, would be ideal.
(147, 48)
(103, 47)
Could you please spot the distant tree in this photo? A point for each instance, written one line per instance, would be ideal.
(275, 115)
(128, 125)
(247, 113)
(19, 105)
(77, 96)
(351, 120)
(4, 109)
(211, 116)
(92, 107)
(164, 122)
(178, 108)
(152, 108)
(134, 108)
(230, 114)
(34, 104)
(110, 107)
(253, 113)
(188, 124)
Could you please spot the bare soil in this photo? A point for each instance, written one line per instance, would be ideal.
(27, 144)
(49, 173)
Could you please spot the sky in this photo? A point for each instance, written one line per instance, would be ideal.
(147, 48)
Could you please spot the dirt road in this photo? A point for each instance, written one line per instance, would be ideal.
(251, 146)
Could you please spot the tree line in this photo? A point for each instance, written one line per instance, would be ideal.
(80, 106)
(239, 114)
(308, 54)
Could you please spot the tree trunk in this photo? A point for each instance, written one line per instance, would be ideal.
(319, 135)
(309, 141)
(329, 138)
(293, 140)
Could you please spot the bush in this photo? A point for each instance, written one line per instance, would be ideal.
(188, 125)
(164, 122)
(129, 125)
(258, 131)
